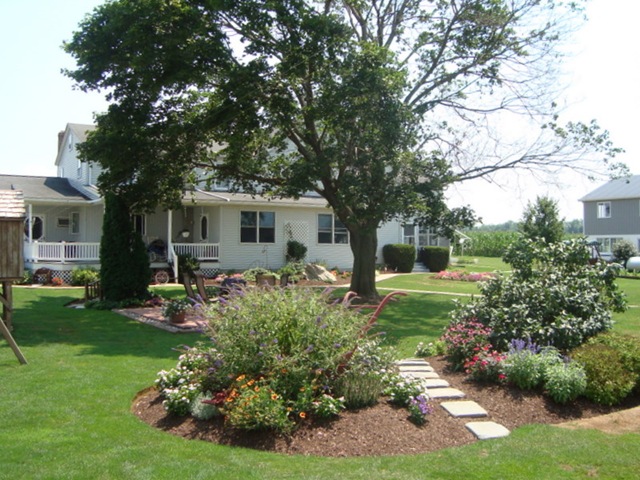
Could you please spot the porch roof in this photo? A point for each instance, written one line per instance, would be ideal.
(223, 198)
(44, 189)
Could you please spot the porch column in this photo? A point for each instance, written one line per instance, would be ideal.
(30, 224)
(173, 260)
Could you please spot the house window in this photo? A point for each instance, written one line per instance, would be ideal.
(331, 230)
(604, 210)
(409, 234)
(257, 227)
(35, 226)
(607, 243)
(139, 223)
(427, 237)
(63, 222)
(75, 223)
(204, 227)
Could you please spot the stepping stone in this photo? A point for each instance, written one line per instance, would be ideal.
(445, 393)
(413, 363)
(419, 375)
(435, 383)
(487, 430)
(464, 409)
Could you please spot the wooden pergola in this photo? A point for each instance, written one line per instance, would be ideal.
(12, 215)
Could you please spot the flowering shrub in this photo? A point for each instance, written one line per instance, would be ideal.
(486, 365)
(57, 281)
(181, 385)
(279, 355)
(552, 296)
(464, 340)
(463, 276)
(526, 364)
(409, 393)
(253, 405)
(402, 389)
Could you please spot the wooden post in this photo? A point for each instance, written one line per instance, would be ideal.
(7, 313)
(12, 343)
(7, 304)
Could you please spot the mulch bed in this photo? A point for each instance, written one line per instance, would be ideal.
(381, 429)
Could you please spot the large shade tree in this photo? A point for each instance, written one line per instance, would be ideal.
(376, 105)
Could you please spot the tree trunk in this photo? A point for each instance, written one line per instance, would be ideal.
(364, 244)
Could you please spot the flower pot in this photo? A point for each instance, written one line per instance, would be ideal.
(178, 317)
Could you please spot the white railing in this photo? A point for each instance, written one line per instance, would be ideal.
(61, 252)
(201, 251)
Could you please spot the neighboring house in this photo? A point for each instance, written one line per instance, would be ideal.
(223, 230)
(612, 214)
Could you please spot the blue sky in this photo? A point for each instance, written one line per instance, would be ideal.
(38, 101)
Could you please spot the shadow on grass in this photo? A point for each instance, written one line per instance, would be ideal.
(40, 317)
(416, 315)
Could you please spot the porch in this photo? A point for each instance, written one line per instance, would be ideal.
(71, 254)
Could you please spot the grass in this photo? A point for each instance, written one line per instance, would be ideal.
(66, 415)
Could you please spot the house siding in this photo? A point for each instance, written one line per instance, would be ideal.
(624, 220)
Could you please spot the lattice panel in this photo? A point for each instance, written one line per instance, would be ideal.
(298, 231)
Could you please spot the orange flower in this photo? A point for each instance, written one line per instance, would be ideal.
(256, 389)
(240, 378)
(302, 415)
(274, 396)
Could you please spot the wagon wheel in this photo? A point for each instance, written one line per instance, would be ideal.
(161, 276)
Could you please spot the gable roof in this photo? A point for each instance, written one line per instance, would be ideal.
(618, 189)
(11, 204)
(79, 132)
(44, 189)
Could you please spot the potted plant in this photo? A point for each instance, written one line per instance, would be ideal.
(176, 310)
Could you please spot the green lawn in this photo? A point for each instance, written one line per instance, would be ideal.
(66, 415)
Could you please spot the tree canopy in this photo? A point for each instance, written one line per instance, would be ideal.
(376, 105)
(541, 221)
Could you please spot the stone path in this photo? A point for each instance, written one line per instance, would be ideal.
(452, 399)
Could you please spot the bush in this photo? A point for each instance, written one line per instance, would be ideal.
(370, 370)
(565, 382)
(436, 259)
(463, 340)
(296, 251)
(623, 250)
(399, 257)
(526, 368)
(627, 346)
(608, 381)
(552, 297)
(82, 276)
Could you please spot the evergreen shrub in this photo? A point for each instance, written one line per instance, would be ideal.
(436, 259)
(399, 256)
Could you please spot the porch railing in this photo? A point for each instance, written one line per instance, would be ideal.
(62, 252)
(201, 251)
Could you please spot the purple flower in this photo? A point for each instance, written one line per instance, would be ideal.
(309, 349)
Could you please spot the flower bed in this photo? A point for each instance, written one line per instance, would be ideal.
(463, 276)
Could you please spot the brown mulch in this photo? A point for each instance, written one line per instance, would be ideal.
(382, 429)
